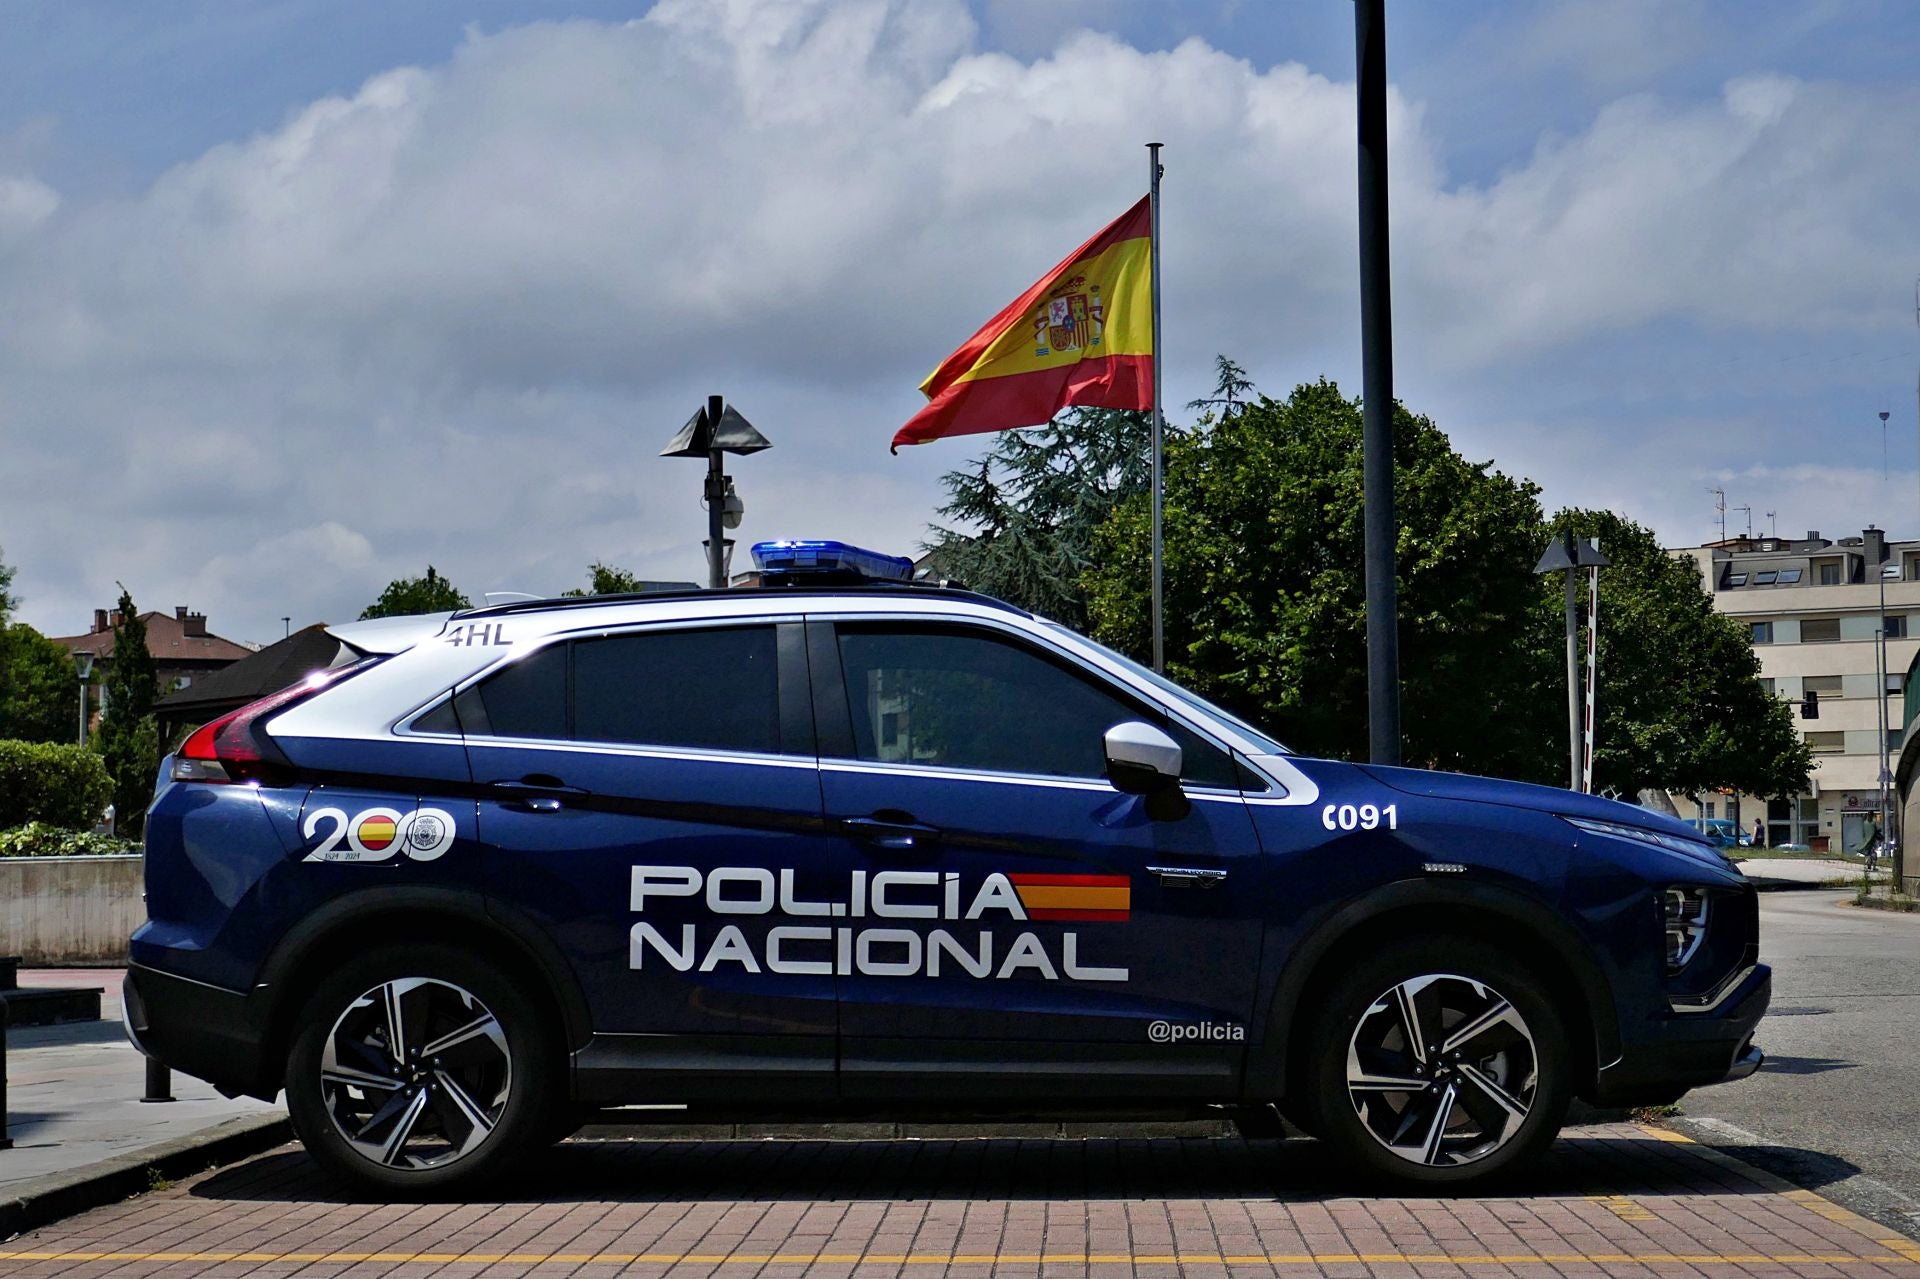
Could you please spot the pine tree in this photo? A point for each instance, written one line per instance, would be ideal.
(129, 737)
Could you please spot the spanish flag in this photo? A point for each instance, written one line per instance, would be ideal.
(1082, 336)
(1082, 897)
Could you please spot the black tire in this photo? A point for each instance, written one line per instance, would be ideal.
(506, 1072)
(1496, 1099)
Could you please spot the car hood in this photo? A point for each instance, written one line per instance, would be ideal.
(1542, 799)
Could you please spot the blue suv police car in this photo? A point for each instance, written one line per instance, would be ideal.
(852, 846)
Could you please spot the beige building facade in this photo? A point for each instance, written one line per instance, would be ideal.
(1813, 607)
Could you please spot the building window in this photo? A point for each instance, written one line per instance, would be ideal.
(1829, 575)
(1827, 743)
(1768, 687)
(1828, 686)
(1789, 576)
(1894, 737)
(1765, 577)
(1815, 630)
(1763, 632)
(1895, 626)
(1736, 579)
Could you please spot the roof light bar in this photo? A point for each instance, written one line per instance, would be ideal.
(792, 558)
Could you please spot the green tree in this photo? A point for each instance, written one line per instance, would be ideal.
(605, 579)
(1035, 500)
(39, 697)
(1265, 592)
(406, 596)
(8, 601)
(1679, 703)
(129, 737)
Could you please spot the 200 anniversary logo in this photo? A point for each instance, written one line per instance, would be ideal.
(979, 950)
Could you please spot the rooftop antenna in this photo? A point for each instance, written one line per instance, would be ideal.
(1773, 526)
(1749, 514)
(1720, 509)
(1884, 415)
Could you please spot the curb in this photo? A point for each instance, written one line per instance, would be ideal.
(40, 1200)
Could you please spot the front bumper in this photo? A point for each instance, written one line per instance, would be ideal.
(1691, 1049)
(199, 1030)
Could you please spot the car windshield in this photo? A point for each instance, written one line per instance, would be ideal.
(1184, 697)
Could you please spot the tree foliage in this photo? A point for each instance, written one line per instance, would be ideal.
(39, 698)
(8, 601)
(1265, 591)
(605, 579)
(129, 737)
(1034, 500)
(407, 596)
(1266, 609)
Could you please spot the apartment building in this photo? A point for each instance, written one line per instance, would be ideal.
(1814, 609)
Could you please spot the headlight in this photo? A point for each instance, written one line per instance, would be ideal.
(1640, 834)
(1685, 911)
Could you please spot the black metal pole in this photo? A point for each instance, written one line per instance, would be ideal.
(1376, 365)
(716, 501)
(159, 1082)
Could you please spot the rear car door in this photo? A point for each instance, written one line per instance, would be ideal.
(649, 797)
(1024, 929)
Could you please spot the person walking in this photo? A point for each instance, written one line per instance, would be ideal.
(1759, 832)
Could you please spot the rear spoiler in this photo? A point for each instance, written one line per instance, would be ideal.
(383, 636)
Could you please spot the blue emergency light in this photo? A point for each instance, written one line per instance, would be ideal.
(792, 558)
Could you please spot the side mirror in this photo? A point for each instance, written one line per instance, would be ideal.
(1142, 759)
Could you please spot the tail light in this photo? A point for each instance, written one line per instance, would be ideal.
(236, 748)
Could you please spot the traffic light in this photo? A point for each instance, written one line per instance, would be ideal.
(1810, 708)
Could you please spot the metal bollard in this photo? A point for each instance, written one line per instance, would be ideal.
(6, 1141)
(159, 1082)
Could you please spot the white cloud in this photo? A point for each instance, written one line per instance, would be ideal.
(456, 313)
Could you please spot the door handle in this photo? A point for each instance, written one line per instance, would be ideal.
(538, 793)
(1187, 876)
(898, 836)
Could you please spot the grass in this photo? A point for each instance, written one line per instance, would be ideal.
(1784, 855)
(1900, 902)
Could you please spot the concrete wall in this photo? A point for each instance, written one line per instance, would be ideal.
(61, 911)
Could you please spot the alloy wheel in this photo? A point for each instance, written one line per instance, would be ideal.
(1442, 1070)
(415, 1073)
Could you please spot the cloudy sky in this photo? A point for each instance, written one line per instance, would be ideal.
(298, 296)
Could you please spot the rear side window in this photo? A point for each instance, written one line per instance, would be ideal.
(711, 689)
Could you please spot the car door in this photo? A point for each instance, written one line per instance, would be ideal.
(650, 799)
(1020, 928)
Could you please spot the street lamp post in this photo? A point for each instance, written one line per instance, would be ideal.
(83, 666)
(1568, 554)
(711, 432)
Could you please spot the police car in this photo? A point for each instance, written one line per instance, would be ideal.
(846, 845)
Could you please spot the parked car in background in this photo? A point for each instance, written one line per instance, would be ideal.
(1722, 832)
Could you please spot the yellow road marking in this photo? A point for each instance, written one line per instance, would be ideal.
(1664, 1134)
(979, 1259)
(1623, 1207)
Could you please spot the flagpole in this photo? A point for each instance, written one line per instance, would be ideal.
(1153, 240)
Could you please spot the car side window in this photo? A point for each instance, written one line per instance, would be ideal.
(957, 698)
(708, 689)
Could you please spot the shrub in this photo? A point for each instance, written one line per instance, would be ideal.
(57, 784)
(38, 839)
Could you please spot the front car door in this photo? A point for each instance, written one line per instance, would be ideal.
(1020, 929)
(650, 799)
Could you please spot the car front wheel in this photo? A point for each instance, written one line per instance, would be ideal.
(418, 1068)
(1439, 1062)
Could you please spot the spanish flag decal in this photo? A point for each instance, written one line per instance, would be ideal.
(1081, 897)
(1082, 335)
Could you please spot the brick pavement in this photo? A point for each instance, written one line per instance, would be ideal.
(1612, 1200)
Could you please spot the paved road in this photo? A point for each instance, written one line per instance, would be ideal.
(1838, 1102)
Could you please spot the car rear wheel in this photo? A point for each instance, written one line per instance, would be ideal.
(419, 1068)
(1439, 1061)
